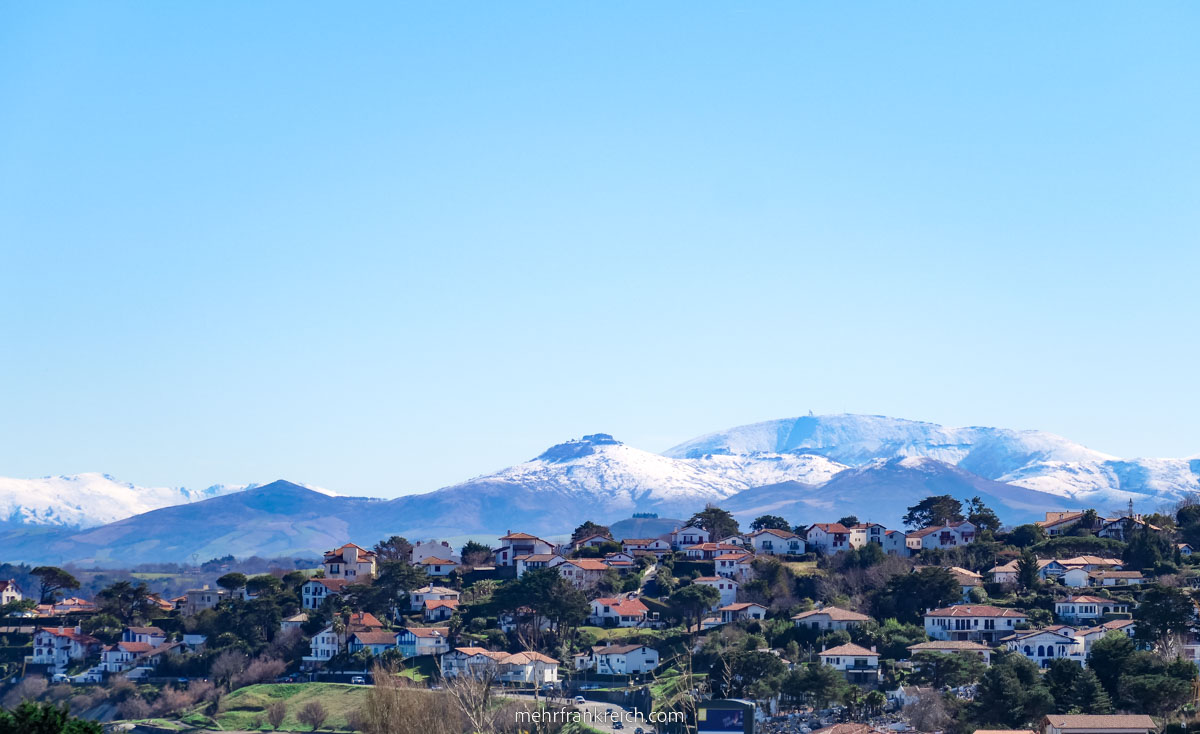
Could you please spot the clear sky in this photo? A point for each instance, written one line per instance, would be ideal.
(386, 247)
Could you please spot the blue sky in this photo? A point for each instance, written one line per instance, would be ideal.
(388, 247)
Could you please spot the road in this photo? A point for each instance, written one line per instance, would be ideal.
(594, 713)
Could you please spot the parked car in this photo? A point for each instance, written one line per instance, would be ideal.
(579, 699)
(358, 680)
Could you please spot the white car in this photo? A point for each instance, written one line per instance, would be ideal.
(579, 699)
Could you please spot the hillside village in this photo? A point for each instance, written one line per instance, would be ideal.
(1084, 621)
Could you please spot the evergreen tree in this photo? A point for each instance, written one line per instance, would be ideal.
(769, 522)
(1027, 569)
(937, 510)
(1088, 695)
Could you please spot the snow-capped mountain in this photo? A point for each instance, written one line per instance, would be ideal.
(1032, 459)
(90, 499)
(600, 469)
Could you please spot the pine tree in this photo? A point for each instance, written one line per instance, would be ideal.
(1088, 696)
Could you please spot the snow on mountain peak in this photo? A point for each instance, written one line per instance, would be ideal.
(88, 499)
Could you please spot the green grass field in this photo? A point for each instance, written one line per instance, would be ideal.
(615, 633)
(246, 707)
(802, 568)
(420, 669)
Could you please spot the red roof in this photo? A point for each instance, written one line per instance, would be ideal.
(589, 564)
(429, 631)
(435, 561)
(831, 527)
(431, 604)
(624, 607)
(851, 650)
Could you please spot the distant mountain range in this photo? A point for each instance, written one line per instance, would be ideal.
(807, 469)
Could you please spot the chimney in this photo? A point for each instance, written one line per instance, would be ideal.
(873, 649)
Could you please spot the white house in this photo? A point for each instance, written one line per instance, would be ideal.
(152, 636)
(438, 567)
(951, 535)
(688, 535)
(1077, 578)
(1122, 528)
(1044, 646)
(1116, 578)
(375, 641)
(829, 618)
(58, 646)
(439, 610)
(1091, 635)
(119, 658)
(618, 612)
(1085, 607)
(828, 537)
(414, 641)
(423, 549)
(966, 579)
(1058, 523)
(952, 647)
(868, 532)
(592, 541)
(521, 667)
(1185, 549)
(975, 622)
(350, 562)
(197, 600)
(582, 572)
(323, 646)
(776, 542)
(709, 551)
(858, 664)
(10, 592)
(537, 560)
(294, 622)
(316, 591)
(735, 565)
(656, 546)
(742, 610)
(1004, 573)
(418, 597)
(623, 659)
(895, 543)
(726, 587)
(521, 544)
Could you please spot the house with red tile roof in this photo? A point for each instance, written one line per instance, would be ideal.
(974, 622)
(618, 612)
(582, 572)
(438, 567)
(351, 562)
(439, 610)
(829, 618)
(58, 646)
(315, 591)
(774, 542)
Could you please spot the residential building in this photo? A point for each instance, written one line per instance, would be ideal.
(10, 592)
(858, 664)
(418, 597)
(726, 587)
(414, 641)
(1122, 528)
(439, 610)
(1097, 724)
(152, 636)
(1058, 523)
(688, 535)
(438, 567)
(742, 610)
(735, 565)
(618, 612)
(537, 560)
(656, 546)
(952, 535)
(1185, 549)
(895, 543)
(622, 659)
(58, 646)
(294, 622)
(1004, 573)
(974, 622)
(828, 537)
(1045, 646)
(316, 591)
(864, 533)
(375, 641)
(423, 549)
(709, 551)
(119, 658)
(521, 667)
(776, 542)
(829, 618)
(953, 647)
(966, 580)
(582, 572)
(521, 544)
(197, 600)
(350, 562)
(592, 541)
(1084, 607)
(1116, 578)
(1091, 635)
(322, 647)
